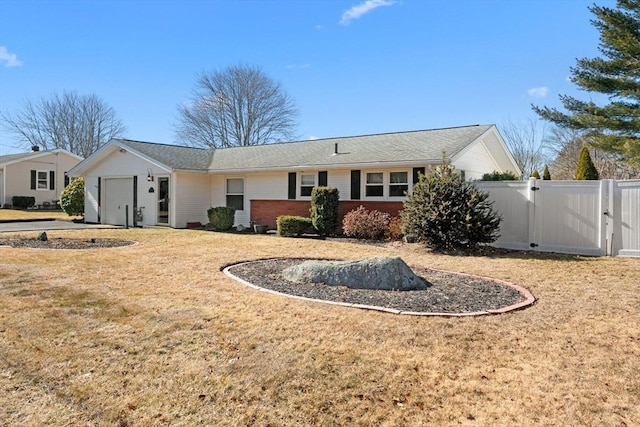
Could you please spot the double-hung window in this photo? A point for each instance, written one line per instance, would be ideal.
(307, 182)
(42, 182)
(235, 193)
(375, 184)
(398, 183)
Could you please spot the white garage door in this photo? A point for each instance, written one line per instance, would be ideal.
(118, 195)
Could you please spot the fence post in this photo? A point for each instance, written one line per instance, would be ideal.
(531, 197)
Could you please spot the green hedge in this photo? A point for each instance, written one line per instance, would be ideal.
(293, 226)
(324, 209)
(23, 202)
(221, 217)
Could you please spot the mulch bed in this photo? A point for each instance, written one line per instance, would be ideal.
(447, 292)
(61, 243)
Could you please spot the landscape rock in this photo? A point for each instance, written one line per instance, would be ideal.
(43, 236)
(383, 273)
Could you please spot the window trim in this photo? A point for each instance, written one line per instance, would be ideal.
(367, 185)
(227, 193)
(46, 180)
(398, 184)
(306, 186)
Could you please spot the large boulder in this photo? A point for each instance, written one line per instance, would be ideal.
(384, 273)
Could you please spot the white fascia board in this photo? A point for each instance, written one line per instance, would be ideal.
(370, 165)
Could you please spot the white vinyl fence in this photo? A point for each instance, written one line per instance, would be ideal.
(575, 217)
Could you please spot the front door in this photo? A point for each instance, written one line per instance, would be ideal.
(163, 200)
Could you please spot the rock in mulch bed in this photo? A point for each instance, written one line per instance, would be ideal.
(62, 243)
(447, 292)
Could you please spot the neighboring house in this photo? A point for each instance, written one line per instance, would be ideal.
(172, 185)
(41, 174)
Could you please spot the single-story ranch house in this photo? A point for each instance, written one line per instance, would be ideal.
(158, 184)
(40, 174)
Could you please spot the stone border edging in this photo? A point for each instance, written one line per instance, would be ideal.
(528, 301)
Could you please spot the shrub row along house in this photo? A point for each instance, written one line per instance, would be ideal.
(41, 175)
(142, 183)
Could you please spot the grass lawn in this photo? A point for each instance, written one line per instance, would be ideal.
(33, 214)
(155, 334)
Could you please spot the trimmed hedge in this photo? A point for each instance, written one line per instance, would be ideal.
(292, 226)
(23, 202)
(324, 209)
(221, 217)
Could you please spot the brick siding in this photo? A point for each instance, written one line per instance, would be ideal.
(266, 211)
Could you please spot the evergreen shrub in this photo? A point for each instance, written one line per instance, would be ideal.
(362, 223)
(293, 226)
(221, 218)
(499, 176)
(446, 212)
(72, 197)
(586, 170)
(546, 175)
(324, 209)
(23, 202)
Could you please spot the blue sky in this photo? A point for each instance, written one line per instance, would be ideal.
(353, 67)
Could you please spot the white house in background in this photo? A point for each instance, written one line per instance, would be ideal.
(159, 184)
(40, 174)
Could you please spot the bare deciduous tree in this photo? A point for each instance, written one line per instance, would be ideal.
(565, 144)
(79, 124)
(525, 142)
(237, 106)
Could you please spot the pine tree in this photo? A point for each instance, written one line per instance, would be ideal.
(545, 174)
(535, 174)
(586, 169)
(446, 212)
(614, 127)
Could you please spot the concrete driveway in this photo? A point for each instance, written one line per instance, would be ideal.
(48, 225)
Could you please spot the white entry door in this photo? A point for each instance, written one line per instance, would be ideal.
(118, 195)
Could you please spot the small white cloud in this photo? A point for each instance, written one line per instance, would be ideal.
(10, 59)
(311, 137)
(538, 92)
(357, 11)
(292, 66)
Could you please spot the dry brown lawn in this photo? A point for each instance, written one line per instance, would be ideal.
(155, 334)
(36, 214)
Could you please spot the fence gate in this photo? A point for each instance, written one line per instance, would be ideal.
(576, 217)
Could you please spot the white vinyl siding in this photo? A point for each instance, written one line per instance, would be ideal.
(476, 161)
(189, 198)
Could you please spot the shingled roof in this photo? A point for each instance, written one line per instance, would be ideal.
(173, 156)
(424, 146)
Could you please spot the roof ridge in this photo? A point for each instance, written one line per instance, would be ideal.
(161, 143)
(356, 136)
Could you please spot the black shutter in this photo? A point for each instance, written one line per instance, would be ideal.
(52, 180)
(66, 180)
(355, 185)
(292, 185)
(416, 174)
(99, 194)
(135, 199)
(322, 179)
(33, 179)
